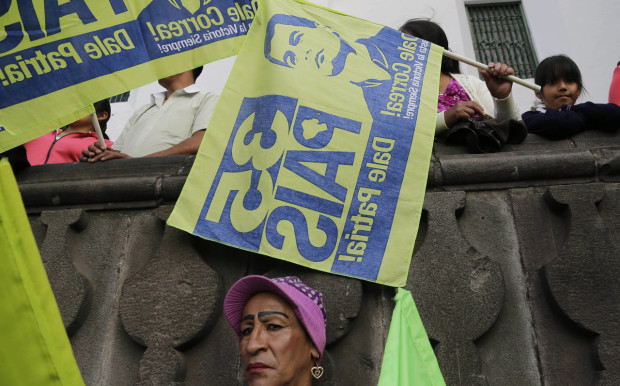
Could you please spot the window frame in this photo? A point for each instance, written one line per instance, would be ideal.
(123, 97)
(524, 69)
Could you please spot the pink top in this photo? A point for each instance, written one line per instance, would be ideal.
(49, 150)
(454, 93)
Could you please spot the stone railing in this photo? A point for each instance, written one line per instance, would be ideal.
(515, 272)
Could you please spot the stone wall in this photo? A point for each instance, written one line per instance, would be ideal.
(515, 272)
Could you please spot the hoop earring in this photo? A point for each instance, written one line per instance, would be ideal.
(317, 371)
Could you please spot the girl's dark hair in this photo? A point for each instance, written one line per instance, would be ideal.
(196, 72)
(100, 107)
(431, 31)
(557, 67)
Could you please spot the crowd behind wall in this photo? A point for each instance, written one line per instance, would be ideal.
(585, 32)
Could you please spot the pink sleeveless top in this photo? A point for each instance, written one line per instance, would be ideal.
(454, 93)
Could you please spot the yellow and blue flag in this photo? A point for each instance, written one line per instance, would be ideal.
(319, 150)
(57, 58)
(35, 349)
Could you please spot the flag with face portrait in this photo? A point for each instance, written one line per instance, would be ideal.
(58, 57)
(319, 150)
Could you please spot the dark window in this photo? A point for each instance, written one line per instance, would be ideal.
(500, 33)
(124, 97)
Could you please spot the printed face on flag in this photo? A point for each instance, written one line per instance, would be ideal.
(301, 43)
(311, 156)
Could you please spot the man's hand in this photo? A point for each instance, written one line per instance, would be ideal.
(499, 86)
(96, 152)
(462, 110)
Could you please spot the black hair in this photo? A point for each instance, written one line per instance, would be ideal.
(17, 158)
(431, 31)
(557, 67)
(196, 72)
(103, 106)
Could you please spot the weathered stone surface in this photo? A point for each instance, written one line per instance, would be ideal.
(514, 167)
(144, 182)
(564, 352)
(487, 224)
(583, 280)
(170, 302)
(531, 143)
(459, 293)
(215, 359)
(594, 138)
(477, 272)
(357, 357)
(113, 245)
(63, 276)
(608, 160)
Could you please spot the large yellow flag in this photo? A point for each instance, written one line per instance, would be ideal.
(58, 57)
(319, 150)
(34, 347)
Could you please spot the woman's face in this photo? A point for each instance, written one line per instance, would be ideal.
(275, 349)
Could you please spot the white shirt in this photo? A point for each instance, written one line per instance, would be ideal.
(159, 126)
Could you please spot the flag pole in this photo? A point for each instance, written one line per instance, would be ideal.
(482, 66)
(101, 140)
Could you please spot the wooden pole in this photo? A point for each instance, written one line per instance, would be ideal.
(482, 66)
(93, 118)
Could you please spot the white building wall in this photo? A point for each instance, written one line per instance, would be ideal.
(587, 31)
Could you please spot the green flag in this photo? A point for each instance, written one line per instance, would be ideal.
(34, 347)
(409, 358)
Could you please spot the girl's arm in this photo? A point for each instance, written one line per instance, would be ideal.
(440, 124)
(573, 119)
(554, 124)
(506, 108)
(599, 116)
